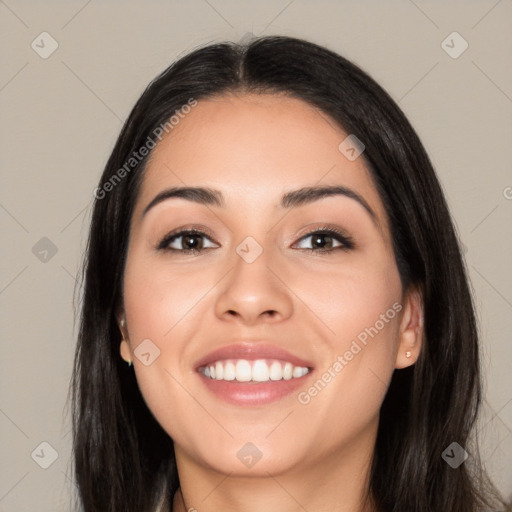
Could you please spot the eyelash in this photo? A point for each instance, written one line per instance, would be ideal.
(346, 241)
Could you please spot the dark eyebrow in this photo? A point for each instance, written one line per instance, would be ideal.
(199, 195)
(293, 199)
(310, 194)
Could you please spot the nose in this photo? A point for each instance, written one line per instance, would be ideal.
(254, 293)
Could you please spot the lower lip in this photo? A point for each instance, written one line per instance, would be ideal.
(253, 393)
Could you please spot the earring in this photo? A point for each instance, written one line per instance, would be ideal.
(130, 362)
(407, 354)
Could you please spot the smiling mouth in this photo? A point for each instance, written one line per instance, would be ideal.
(253, 373)
(258, 370)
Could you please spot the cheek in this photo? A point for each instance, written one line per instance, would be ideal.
(360, 304)
(158, 307)
(156, 300)
(163, 307)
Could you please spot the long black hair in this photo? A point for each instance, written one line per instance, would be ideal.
(123, 459)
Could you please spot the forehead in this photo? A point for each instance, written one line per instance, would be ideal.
(254, 148)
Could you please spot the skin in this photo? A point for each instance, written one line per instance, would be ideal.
(254, 148)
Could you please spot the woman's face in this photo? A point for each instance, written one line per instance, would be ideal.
(269, 289)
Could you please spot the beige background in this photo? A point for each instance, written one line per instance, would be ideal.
(61, 116)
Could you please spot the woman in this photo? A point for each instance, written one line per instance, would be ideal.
(276, 313)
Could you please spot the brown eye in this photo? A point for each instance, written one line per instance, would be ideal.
(194, 242)
(325, 241)
(186, 241)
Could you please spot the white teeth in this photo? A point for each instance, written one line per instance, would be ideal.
(243, 371)
(276, 371)
(288, 371)
(297, 372)
(219, 370)
(229, 371)
(260, 370)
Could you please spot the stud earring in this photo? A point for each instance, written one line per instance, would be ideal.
(407, 354)
(130, 362)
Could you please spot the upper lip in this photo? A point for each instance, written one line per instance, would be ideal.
(251, 351)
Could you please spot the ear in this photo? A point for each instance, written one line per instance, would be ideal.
(411, 329)
(124, 348)
(121, 322)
